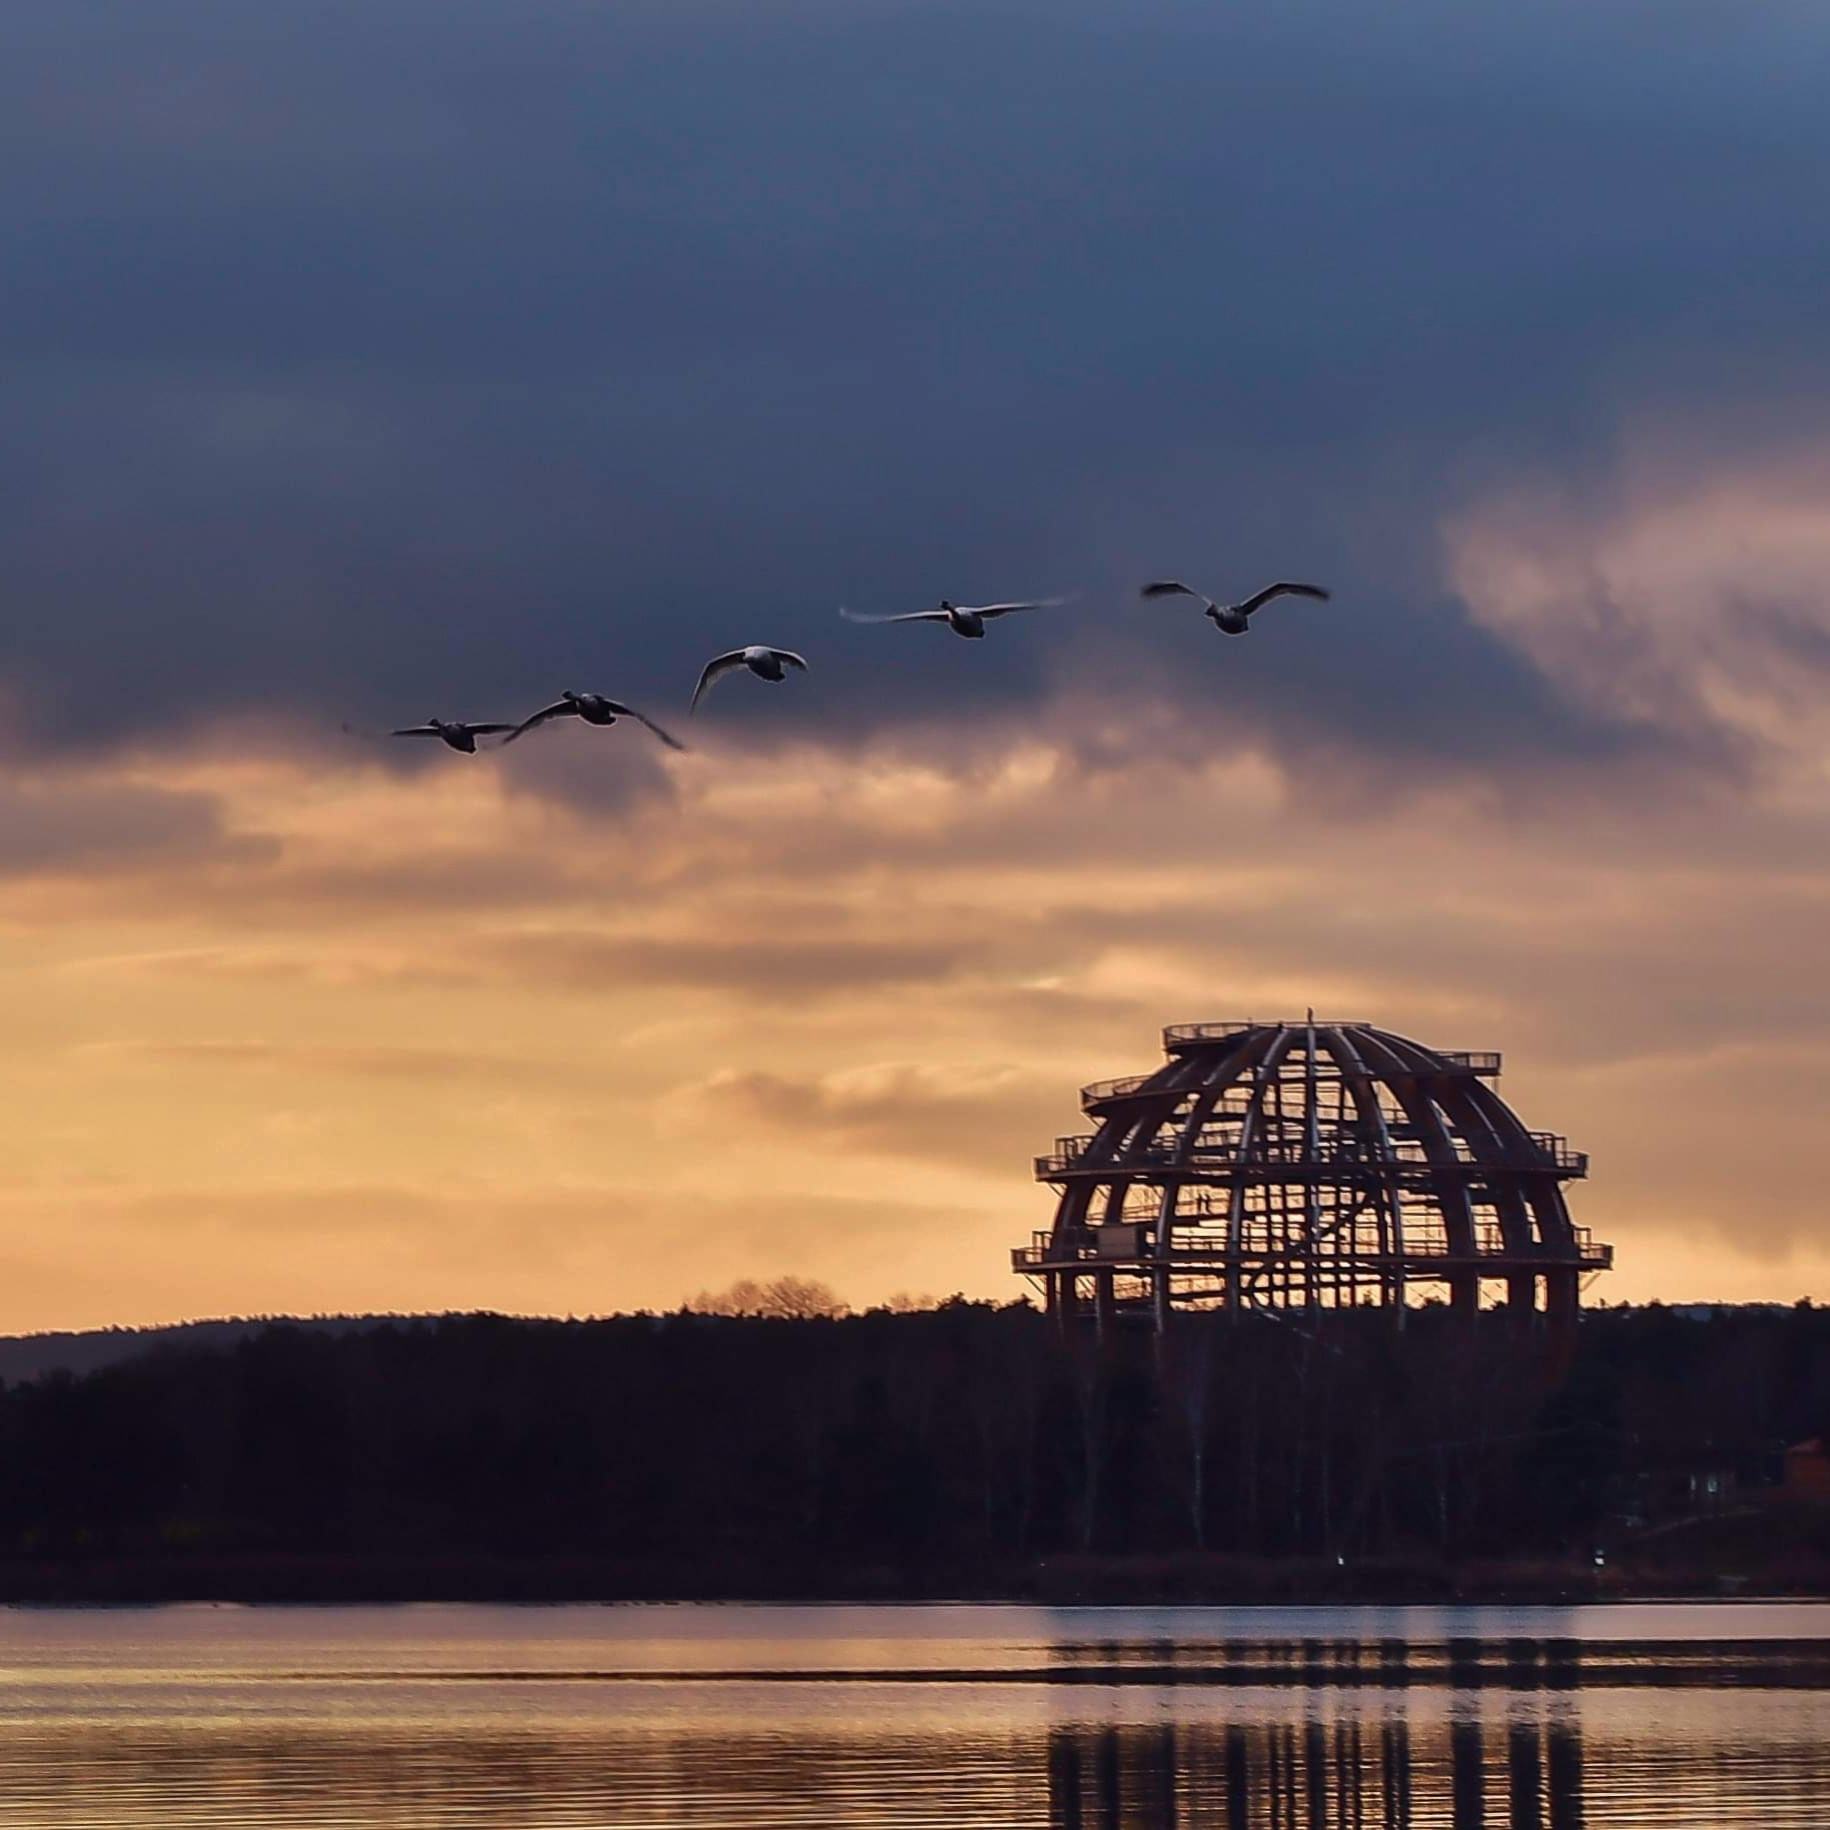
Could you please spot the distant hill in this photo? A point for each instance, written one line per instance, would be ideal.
(31, 1356)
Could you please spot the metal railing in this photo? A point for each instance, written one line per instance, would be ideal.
(1424, 1255)
(1179, 1036)
(1099, 1091)
(1557, 1152)
(1483, 1064)
(1189, 1035)
(1548, 1151)
(1192, 1035)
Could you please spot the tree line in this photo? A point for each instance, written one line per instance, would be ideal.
(734, 1452)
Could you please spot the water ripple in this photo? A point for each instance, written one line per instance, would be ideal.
(563, 1719)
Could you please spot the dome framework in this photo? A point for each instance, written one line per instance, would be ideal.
(1307, 1166)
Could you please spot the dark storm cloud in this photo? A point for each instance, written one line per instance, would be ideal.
(365, 359)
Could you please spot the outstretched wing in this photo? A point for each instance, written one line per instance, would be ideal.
(557, 709)
(908, 616)
(409, 730)
(789, 658)
(629, 711)
(490, 730)
(1169, 587)
(715, 669)
(1034, 603)
(1283, 588)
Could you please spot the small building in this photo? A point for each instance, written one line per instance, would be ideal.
(1807, 1473)
(1669, 1492)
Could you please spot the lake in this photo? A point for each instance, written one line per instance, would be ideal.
(1324, 1719)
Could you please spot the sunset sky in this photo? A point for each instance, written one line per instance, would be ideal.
(367, 362)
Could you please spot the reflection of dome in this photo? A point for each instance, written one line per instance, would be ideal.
(1279, 1166)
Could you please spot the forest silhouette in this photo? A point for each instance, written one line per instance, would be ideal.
(965, 1449)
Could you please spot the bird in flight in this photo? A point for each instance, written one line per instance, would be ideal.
(453, 731)
(764, 662)
(963, 619)
(1234, 619)
(593, 708)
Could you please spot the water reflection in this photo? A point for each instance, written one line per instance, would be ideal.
(899, 1720)
(1317, 1765)
(1460, 1662)
(1315, 1774)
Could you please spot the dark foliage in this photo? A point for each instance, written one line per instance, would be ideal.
(968, 1437)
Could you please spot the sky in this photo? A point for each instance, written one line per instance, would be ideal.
(367, 362)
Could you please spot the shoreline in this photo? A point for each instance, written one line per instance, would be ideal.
(373, 1580)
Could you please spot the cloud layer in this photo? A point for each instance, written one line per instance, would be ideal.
(364, 365)
(834, 1042)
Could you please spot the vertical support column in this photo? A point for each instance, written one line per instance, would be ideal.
(1066, 1285)
(1105, 1303)
(1312, 1150)
(1561, 1293)
(1522, 1300)
(1562, 1297)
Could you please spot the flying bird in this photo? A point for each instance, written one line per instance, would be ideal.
(1234, 619)
(593, 708)
(764, 662)
(963, 619)
(453, 731)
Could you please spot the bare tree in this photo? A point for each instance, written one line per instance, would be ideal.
(783, 1298)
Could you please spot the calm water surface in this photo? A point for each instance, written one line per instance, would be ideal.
(1248, 1718)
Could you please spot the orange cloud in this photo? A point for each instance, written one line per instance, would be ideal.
(1688, 592)
(358, 1036)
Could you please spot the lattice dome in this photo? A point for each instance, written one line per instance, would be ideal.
(1308, 1165)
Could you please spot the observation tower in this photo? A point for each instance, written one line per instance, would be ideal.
(1308, 1166)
